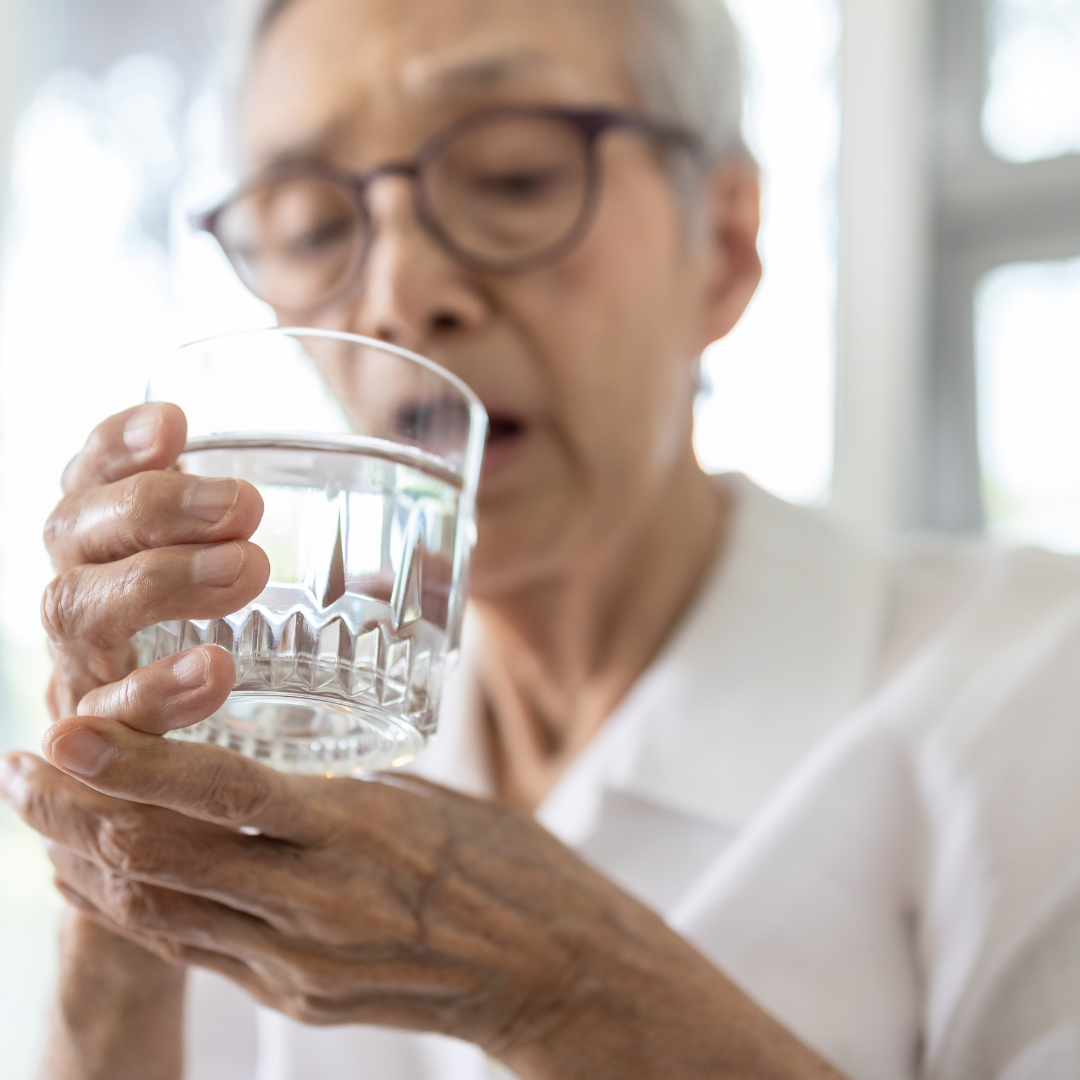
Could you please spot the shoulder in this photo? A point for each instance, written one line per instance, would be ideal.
(920, 873)
(934, 581)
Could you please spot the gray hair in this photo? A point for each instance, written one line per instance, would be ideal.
(685, 61)
(687, 64)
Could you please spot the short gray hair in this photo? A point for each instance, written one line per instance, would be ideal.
(685, 61)
(687, 64)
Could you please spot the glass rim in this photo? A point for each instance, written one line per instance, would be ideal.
(469, 471)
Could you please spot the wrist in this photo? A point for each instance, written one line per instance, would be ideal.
(118, 1011)
(618, 987)
(643, 1002)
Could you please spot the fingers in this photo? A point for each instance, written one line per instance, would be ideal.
(99, 607)
(198, 780)
(165, 948)
(151, 911)
(146, 437)
(76, 671)
(169, 949)
(149, 510)
(147, 843)
(171, 693)
(302, 978)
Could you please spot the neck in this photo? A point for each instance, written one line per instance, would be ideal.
(561, 653)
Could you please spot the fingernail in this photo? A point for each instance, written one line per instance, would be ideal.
(192, 669)
(211, 500)
(141, 430)
(81, 751)
(219, 565)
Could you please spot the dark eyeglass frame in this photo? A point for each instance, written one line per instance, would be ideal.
(590, 125)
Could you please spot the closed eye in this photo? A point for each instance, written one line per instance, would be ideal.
(324, 235)
(518, 186)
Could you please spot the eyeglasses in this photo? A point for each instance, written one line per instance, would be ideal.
(502, 190)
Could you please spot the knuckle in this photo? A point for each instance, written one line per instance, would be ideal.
(135, 507)
(129, 697)
(60, 605)
(133, 498)
(136, 579)
(130, 904)
(234, 793)
(127, 844)
(76, 608)
(57, 524)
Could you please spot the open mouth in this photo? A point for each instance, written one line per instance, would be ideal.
(501, 429)
(505, 435)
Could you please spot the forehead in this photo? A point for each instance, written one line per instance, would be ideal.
(328, 71)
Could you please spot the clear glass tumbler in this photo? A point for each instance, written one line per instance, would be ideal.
(367, 458)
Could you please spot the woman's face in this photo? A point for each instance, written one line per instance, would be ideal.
(585, 365)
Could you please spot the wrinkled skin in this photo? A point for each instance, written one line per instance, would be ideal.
(419, 908)
(392, 901)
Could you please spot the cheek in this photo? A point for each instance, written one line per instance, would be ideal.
(615, 331)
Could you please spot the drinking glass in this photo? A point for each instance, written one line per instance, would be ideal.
(367, 458)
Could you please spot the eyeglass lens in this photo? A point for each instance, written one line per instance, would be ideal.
(499, 193)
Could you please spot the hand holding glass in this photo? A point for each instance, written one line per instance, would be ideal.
(367, 458)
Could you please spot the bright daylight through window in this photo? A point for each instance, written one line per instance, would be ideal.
(770, 413)
(1026, 313)
(1028, 349)
(1032, 107)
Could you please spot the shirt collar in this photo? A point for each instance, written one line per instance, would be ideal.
(777, 649)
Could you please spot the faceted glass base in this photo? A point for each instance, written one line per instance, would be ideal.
(313, 735)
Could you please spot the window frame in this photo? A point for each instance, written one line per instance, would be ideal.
(987, 213)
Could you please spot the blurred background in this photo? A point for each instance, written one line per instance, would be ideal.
(912, 358)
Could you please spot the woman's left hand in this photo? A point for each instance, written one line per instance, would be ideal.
(389, 901)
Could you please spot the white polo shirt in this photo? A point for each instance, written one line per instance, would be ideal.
(851, 778)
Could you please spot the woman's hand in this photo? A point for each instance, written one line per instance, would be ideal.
(135, 543)
(390, 901)
(132, 544)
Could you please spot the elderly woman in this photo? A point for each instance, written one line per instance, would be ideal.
(651, 650)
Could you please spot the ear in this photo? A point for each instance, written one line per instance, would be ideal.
(732, 216)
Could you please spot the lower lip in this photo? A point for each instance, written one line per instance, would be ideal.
(500, 449)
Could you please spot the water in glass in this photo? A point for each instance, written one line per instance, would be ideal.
(339, 661)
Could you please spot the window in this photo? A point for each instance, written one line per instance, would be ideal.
(1032, 106)
(1006, 224)
(769, 408)
(1028, 352)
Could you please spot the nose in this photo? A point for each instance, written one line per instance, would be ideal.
(413, 292)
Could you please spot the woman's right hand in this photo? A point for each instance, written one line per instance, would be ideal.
(135, 542)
